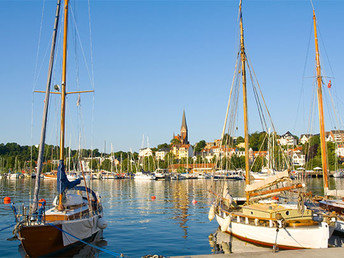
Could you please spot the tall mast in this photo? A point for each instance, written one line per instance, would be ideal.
(63, 93)
(243, 74)
(320, 107)
(63, 84)
(45, 111)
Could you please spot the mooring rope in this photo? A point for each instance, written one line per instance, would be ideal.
(84, 242)
(8, 227)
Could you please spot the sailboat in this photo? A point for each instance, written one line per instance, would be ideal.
(76, 214)
(262, 219)
(333, 199)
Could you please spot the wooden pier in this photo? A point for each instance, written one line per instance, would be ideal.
(312, 253)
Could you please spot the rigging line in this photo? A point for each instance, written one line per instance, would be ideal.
(35, 82)
(335, 110)
(233, 109)
(260, 91)
(41, 66)
(91, 42)
(267, 110)
(38, 46)
(313, 107)
(325, 51)
(260, 109)
(328, 111)
(90, 75)
(303, 76)
(82, 48)
(230, 95)
(260, 149)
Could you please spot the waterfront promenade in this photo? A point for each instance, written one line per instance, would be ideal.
(329, 252)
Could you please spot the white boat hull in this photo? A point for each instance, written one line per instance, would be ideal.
(288, 238)
(144, 178)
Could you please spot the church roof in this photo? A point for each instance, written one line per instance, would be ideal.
(184, 121)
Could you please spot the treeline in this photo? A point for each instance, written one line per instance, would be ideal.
(15, 157)
(312, 150)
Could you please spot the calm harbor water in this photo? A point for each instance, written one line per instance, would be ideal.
(137, 225)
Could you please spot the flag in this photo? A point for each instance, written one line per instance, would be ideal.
(329, 84)
(78, 101)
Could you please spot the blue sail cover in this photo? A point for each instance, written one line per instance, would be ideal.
(62, 181)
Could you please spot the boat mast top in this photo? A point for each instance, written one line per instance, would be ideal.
(320, 107)
(63, 84)
(243, 74)
(45, 111)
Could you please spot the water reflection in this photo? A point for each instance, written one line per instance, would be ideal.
(223, 243)
(137, 225)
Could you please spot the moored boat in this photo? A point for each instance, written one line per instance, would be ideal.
(76, 214)
(144, 176)
(262, 219)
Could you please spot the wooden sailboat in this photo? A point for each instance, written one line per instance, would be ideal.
(333, 201)
(262, 220)
(76, 212)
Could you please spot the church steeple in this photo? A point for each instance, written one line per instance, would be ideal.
(184, 130)
(184, 122)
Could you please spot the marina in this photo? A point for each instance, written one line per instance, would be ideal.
(234, 186)
(137, 225)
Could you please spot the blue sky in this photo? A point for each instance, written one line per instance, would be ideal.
(152, 59)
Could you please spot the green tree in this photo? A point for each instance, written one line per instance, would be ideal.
(239, 140)
(200, 146)
(106, 165)
(258, 164)
(163, 146)
(175, 141)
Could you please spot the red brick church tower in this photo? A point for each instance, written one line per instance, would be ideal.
(183, 137)
(184, 130)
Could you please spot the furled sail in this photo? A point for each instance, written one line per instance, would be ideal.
(62, 181)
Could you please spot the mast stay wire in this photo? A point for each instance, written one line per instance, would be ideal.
(35, 83)
(249, 64)
(89, 71)
(230, 96)
(81, 46)
(233, 113)
(92, 70)
(250, 68)
(312, 112)
(303, 79)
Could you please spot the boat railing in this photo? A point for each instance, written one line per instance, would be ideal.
(24, 216)
(268, 222)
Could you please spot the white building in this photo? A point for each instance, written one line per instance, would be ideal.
(304, 138)
(146, 152)
(340, 150)
(298, 159)
(182, 151)
(160, 154)
(335, 136)
(287, 139)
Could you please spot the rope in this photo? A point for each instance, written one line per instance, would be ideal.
(8, 227)
(84, 242)
(229, 99)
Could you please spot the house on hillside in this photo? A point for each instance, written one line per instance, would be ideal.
(182, 151)
(304, 138)
(335, 136)
(160, 154)
(145, 152)
(287, 139)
